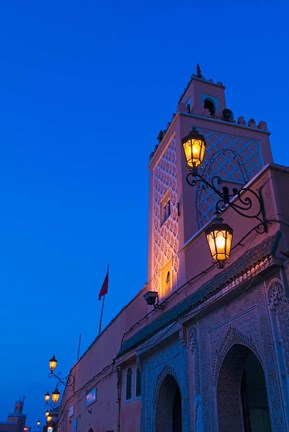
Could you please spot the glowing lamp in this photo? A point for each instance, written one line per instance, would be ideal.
(38, 422)
(55, 395)
(194, 146)
(49, 418)
(52, 363)
(46, 413)
(219, 237)
(47, 397)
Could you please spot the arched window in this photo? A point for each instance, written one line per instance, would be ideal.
(128, 384)
(165, 207)
(138, 383)
(209, 105)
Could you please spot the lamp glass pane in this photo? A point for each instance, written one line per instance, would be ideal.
(52, 364)
(55, 396)
(220, 241)
(194, 151)
(211, 243)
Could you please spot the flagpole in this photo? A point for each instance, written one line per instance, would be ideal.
(79, 342)
(102, 293)
(100, 322)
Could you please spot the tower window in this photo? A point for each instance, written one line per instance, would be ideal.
(138, 383)
(209, 105)
(128, 383)
(165, 207)
(166, 280)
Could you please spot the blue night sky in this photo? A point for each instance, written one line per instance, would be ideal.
(85, 87)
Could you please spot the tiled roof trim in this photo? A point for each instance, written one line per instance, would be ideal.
(246, 262)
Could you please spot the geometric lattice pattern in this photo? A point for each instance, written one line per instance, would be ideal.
(166, 243)
(233, 158)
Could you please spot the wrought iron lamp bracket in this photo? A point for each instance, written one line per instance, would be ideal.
(50, 405)
(251, 206)
(67, 381)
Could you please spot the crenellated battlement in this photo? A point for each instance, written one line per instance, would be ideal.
(204, 99)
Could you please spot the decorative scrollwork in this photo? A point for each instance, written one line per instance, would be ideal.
(251, 206)
(67, 381)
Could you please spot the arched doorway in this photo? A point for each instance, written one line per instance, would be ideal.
(242, 394)
(169, 406)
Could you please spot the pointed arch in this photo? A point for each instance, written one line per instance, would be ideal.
(168, 403)
(242, 401)
(233, 336)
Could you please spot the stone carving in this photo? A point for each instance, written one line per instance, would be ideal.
(192, 339)
(279, 304)
(233, 336)
(183, 336)
(276, 295)
(167, 370)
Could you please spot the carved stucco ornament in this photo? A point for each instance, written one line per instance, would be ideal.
(276, 295)
(192, 339)
(233, 337)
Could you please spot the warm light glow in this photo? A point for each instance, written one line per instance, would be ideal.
(47, 413)
(219, 237)
(47, 397)
(166, 282)
(52, 363)
(55, 395)
(38, 422)
(49, 417)
(221, 241)
(194, 146)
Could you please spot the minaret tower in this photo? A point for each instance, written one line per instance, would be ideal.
(236, 151)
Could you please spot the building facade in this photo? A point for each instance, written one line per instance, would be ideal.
(16, 420)
(209, 349)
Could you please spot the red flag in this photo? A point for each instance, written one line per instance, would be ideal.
(104, 287)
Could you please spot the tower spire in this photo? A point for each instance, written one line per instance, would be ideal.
(199, 73)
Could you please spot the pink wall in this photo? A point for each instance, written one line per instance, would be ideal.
(97, 369)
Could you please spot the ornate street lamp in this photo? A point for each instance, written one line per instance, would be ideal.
(52, 364)
(250, 205)
(194, 146)
(55, 395)
(219, 238)
(66, 381)
(49, 418)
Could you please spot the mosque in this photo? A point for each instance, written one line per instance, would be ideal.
(204, 346)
